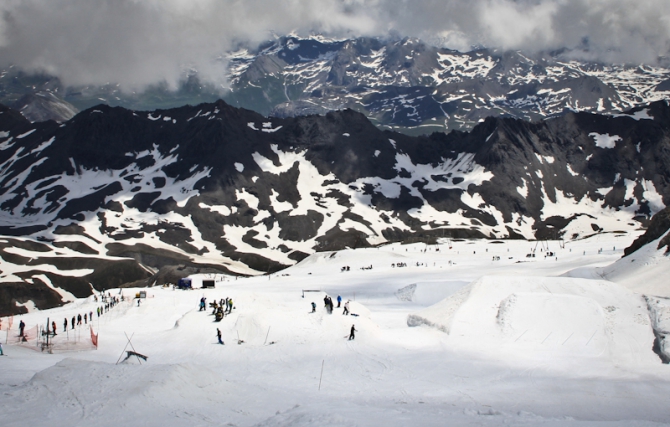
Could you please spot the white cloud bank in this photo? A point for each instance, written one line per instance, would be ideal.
(140, 42)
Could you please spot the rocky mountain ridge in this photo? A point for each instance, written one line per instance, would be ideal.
(114, 197)
(405, 85)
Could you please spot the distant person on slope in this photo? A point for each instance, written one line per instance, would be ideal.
(218, 335)
(346, 308)
(2, 353)
(22, 326)
(352, 335)
(313, 307)
(339, 300)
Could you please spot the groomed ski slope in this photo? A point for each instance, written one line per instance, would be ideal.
(544, 341)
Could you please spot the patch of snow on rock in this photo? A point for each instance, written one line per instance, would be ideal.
(606, 140)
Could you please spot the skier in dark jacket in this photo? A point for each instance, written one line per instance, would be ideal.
(22, 326)
(218, 335)
(313, 307)
(352, 335)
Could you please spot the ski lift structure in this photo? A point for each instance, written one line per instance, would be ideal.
(544, 247)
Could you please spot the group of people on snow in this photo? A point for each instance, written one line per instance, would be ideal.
(219, 309)
(328, 302)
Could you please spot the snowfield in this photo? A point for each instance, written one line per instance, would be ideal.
(464, 333)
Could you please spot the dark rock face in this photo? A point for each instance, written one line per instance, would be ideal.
(113, 197)
(658, 227)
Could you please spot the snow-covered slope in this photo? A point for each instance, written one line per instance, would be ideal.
(558, 351)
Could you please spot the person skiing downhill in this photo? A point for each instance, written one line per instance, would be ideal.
(218, 335)
(346, 308)
(352, 335)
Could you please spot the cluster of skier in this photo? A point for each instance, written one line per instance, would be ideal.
(219, 309)
(328, 303)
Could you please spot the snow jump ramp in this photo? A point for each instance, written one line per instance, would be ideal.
(547, 317)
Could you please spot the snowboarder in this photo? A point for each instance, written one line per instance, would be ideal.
(202, 304)
(313, 307)
(339, 300)
(22, 326)
(218, 335)
(352, 335)
(346, 308)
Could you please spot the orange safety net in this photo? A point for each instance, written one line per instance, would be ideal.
(94, 338)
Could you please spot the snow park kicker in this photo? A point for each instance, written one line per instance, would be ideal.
(544, 341)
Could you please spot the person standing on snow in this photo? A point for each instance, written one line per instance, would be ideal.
(53, 326)
(346, 308)
(313, 307)
(218, 335)
(352, 335)
(22, 326)
(339, 300)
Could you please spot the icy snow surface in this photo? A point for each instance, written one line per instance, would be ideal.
(502, 339)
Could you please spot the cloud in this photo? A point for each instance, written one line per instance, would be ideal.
(139, 42)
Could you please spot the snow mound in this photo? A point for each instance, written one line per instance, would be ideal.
(545, 317)
(427, 293)
(74, 389)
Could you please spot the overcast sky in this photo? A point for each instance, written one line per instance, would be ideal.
(139, 42)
